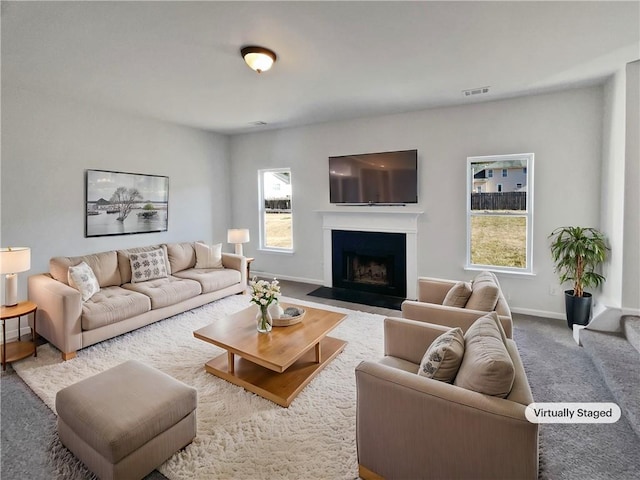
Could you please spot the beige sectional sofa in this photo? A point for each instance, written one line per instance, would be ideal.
(122, 305)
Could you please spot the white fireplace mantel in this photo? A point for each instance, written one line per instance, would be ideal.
(374, 219)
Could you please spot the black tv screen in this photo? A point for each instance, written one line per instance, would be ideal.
(374, 178)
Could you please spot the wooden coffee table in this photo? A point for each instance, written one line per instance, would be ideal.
(277, 365)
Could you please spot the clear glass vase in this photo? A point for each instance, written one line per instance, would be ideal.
(264, 320)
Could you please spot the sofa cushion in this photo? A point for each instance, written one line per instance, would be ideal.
(166, 291)
(124, 262)
(486, 366)
(104, 266)
(148, 265)
(208, 256)
(458, 295)
(112, 305)
(484, 293)
(181, 256)
(494, 317)
(443, 357)
(212, 279)
(81, 278)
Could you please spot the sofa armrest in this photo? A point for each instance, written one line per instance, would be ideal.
(409, 339)
(59, 312)
(433, 290)
(407, 425)
(449, 316)
(236, 262)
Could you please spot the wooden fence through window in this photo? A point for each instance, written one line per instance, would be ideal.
(277, 205)
(499, 201)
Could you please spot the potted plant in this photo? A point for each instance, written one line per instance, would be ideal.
(577, 253)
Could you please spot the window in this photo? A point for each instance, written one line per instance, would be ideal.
(276, 218)
(500, 215)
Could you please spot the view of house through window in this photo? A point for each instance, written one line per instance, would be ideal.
(276, 230)
(500, 212)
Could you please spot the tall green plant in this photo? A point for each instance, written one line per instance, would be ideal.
(577, 252)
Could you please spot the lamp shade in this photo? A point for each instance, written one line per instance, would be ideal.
(15, 259)
(238, 235)
(259, 59)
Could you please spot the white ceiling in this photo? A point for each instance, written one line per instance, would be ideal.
(180, 61)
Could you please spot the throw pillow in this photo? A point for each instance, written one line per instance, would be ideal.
(82, 278)
(494, 316)
(486, 366)
(458, 295)
(147, 265)
(484, 293)
(443, 357)
(208, 256)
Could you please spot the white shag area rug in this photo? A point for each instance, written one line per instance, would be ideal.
(240, 435)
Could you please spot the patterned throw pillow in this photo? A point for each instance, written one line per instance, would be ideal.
(458, 295)
(82, 278)
(208, 256)
(147, 265)
(443, 357)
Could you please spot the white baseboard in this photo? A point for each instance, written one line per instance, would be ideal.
(605, 318)
(631, 311)
(12, 335)
(539, 313)
(312, 281)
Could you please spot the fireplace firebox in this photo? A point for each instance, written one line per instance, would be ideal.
(370, 262)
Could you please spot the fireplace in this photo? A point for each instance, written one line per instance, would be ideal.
(372, 262)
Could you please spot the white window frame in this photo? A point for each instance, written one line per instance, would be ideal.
(528, 213)
(262, 214)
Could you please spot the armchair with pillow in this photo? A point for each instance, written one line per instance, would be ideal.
(458, 304)
(445, 403)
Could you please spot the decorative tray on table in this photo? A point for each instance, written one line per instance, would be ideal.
(291, 316)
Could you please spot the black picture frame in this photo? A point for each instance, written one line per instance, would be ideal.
(122, 203)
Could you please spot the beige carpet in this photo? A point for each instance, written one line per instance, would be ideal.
(240, 435)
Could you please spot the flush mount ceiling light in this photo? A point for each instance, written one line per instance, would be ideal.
(259, 59)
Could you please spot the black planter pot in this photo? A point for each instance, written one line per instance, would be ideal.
(578, 308)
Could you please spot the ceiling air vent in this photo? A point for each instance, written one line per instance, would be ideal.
(475, 91)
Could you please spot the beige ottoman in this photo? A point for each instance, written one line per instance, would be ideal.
(126, 421)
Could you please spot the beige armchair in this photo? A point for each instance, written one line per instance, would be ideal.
(412, 427)
(431, 295)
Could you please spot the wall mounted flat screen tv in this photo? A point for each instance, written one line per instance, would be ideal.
(387, 178)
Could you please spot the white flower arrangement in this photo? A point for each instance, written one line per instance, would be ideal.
(264, 293)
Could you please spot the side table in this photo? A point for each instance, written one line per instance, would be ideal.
(249, 260)
(19, 349)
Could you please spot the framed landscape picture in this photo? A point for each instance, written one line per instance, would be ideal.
(119, 203)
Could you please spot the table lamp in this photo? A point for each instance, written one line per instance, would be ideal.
(12, 261)
(238, 236)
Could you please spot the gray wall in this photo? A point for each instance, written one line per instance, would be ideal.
(563, 130)
(47, 143)
(631, 263)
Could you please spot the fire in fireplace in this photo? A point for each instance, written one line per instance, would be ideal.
(368, 269)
